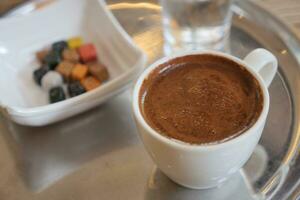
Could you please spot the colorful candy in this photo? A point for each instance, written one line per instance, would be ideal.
(65, 69)
(40, 55)
(99, 71)
(75, 89)
(39, 73)
(52, 59)
(56, 94)
(90, 83)
(70, 55)
(69, 64)
(79, 72)
(59, 46)
(51, 80)
(87, 53)
(74, 42)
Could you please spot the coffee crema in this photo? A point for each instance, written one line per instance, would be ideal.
(200, 99)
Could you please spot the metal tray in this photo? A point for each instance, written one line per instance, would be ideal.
(97, 155)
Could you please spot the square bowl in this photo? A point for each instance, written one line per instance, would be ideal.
(25, 102)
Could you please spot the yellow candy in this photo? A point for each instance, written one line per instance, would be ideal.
(74, 42)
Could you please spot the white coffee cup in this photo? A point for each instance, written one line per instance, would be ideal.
(206, 166)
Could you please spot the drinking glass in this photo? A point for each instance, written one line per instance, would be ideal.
(196, 24)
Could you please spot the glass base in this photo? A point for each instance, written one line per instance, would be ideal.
(223, 46)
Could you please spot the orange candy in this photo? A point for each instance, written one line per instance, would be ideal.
(65, 68)
(79, 72)
(90, 83)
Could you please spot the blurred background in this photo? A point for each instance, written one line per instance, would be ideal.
(8, 4)
(288, 10)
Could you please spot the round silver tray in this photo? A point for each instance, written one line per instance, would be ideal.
(267, 170)
(103, 142)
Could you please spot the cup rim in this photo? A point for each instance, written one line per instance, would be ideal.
(185, 145)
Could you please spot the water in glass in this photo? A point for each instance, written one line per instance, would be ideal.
(196, 24)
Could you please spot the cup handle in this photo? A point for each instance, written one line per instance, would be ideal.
(263, 62)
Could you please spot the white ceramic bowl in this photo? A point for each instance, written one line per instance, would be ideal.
(20, 37)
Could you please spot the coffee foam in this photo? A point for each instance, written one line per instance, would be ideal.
(200, 99)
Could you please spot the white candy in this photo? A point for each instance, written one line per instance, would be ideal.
(51, 79)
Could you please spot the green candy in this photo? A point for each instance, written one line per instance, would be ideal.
(56, 94)
(59, 46)
(52, 59)
(75, 89)
(39, 73)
